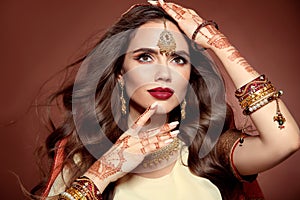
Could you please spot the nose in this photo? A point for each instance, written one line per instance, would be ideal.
(163, 74)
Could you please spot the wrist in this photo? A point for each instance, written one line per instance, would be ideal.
(102, 179)
(101, 183)
(82, 188)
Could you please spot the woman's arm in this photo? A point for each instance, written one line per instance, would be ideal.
(273, 145)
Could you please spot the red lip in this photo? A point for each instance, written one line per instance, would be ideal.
(161, 93)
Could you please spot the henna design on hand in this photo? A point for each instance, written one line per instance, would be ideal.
(219, 41)
(156, 145)
(247, 66)
(158, 138)
(111, 162)
(145, 142)
(142, 115)
(179, 17)
(212, 30)
(195, 17)
(179, 11)
(234, 55)
(143, 151)
(241, 61)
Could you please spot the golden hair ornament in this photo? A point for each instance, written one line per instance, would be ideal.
(166, 42)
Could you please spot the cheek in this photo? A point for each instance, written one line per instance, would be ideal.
(137, 78)
(181, 77)
(181, 82)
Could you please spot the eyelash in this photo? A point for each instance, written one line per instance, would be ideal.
(183, 60)
(176, 57)
(143, 55)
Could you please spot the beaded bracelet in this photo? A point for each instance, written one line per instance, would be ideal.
(66, 196)
(203, 24)
(257, 105)
(258, 93)
(279, 118)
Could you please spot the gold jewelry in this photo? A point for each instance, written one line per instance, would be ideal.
(75, 193)
(258, 93)
(122, 99)
(166, 42)
(183, 106)
(164, 153)
(82, 189)
(258, 96)
(279, 118)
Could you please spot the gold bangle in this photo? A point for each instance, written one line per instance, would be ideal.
(257, 97)
(76, 193)
(248, 95)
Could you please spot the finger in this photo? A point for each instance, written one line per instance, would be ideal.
(167, 136)
(160, 130)
(154, 3)
(168, 127)
(151, 147)
(143, 118)
(145, 142)
(160, 134)
(162, 137)
(171, 9)
(179, 10)
(192, 12)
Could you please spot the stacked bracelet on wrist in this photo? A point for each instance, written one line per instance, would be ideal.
(258, 93)
(81, 189)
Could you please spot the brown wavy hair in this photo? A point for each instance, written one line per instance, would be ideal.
(204, 81)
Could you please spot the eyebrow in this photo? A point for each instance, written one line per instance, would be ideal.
(153, 51)
(147, 50)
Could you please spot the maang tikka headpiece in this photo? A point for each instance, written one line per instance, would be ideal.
(166, 42)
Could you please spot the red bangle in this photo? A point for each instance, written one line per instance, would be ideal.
(86, 185)
(252, 85)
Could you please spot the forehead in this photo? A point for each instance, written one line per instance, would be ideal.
(147, 36)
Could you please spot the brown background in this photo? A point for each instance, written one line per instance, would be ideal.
(38, 38)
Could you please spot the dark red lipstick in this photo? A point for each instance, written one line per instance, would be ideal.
(161, 93)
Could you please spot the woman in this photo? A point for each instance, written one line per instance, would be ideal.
(152, 59)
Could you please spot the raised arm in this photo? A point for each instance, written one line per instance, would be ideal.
(276, 141)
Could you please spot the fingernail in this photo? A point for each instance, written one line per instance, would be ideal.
(155, 3)
(154, 105)
(174, 123)
(174, 133)
(169, 141)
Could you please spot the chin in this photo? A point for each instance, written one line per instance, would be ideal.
(165, 107)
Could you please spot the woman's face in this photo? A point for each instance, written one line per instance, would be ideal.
(151, 76)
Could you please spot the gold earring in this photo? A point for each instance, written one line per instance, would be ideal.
(183, 106)
(122, 99)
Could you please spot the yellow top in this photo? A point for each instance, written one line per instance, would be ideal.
(179, 184)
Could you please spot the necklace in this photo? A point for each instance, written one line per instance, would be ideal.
(164, 153)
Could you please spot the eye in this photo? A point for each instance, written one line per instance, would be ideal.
(179, 60)
(144, 58)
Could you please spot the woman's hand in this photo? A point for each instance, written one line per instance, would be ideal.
(130, 150)
(188, 20)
